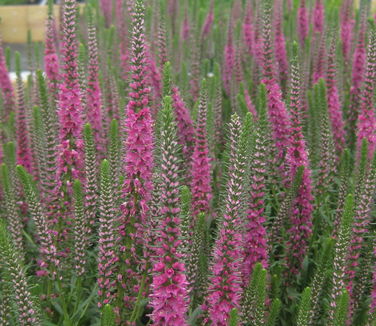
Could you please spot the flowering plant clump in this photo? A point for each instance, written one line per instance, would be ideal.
(204, 163)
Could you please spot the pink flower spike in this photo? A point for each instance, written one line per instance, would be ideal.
(297, 155)
(334, 105)
(138, 162)
(224, 286)
(169, 297)
(208, 21)
(6, 84)
(302, 23)
(51, 59)
(366, 127)
(318, 17)
(229, 60)
(93, 92)
(201, 170)
(70, 157)
(280, 45)
(186, 130)
(248, 31)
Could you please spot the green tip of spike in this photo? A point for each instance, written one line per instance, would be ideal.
(371, 23)
(8, 57)
(114, 124)
(4, 176)
(105, 167)
(348, 211)
(89, 13)
(185, 193)
(29, 36)
(204, 83)
(77, 188)
(295, 49)
(217, 69)
(22, 174)
(167, 66)
(167, 101)
(17, 59)
(114, 128)
(233, 321)
(87, 130)
(108, 316)
(248, 117)
(50, 7)
(167, 78)
(261, 98)
(10, 151)
(40, 77)
(241, 88)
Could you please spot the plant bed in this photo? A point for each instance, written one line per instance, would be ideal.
(175, 163)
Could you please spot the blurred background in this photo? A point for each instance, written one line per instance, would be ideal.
(28, 2)
(23, 21)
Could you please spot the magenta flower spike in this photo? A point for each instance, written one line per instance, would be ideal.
(258, 43)
(124, 61)
(161, 42)
(366, 127)
(359, 60)
(24, 154)
(320, 62)
(254, 236)
(334, 104)
(106, 6)
(278, 117)
(51, 59)
(16, 284)
(208, 21)
(277, 111)
(361, 225)
(169, 295)
(186, 130)
(186, 29)
(119, 12)
(280, 45)
(238, 68)
(301, 215)
(201, 170)
(93, 92)
(173, 9)
(318, 17)
(70, 148)
(6, 84)
(154, 74)
(229, 59)
(122, 30)
(302, 23)
(358, 69)
(249, 103)
(138, 163)
(224, 286)
(195, 71)
(107, 258)
(248, 31)
(347, 25)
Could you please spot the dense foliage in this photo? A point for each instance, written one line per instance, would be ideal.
(191, 163)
